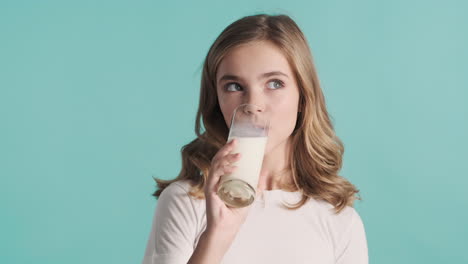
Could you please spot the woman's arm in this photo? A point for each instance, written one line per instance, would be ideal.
(175, 221)
(223, 222)
(211, 247)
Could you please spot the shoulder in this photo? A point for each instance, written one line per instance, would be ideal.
(339, 222)
(344, 217)
(180, 187)
(177, 195)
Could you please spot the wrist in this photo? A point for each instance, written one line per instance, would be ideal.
(220, 233)
(219, 237)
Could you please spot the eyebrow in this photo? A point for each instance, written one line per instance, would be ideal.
(262, 76)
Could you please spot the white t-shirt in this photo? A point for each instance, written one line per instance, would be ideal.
(312, 234)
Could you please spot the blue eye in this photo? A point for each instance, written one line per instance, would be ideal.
(276, 84)
(233, 87)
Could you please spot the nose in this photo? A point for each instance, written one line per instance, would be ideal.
(255, 101)
(252, 109)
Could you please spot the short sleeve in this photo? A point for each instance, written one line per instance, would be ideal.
(352, 248)
(173, 231)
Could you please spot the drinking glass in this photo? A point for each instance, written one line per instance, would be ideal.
(249, 125)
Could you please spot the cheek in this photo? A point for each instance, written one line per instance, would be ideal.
(227, 111)
(283, 121)
(227, 105)
(286, 113)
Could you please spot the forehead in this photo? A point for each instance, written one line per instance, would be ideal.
(252, 59)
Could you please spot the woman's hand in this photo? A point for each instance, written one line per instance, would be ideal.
(223, 222)
(220, 217)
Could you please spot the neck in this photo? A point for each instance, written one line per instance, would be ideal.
(275, 168)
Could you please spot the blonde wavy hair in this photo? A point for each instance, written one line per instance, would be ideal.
(317, 152)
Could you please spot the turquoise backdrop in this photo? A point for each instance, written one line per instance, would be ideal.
(96, 97)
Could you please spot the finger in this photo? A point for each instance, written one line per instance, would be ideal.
(231, 158)
(221, 171)
(226, 149)
(214, 176)
(228, 169)
(218, 172)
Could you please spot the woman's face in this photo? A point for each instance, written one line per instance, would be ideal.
(258, 73)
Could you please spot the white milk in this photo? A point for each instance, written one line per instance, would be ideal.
(249, 165)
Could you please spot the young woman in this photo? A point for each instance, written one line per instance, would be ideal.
(303, 209)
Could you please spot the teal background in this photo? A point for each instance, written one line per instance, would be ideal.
(96, 97)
